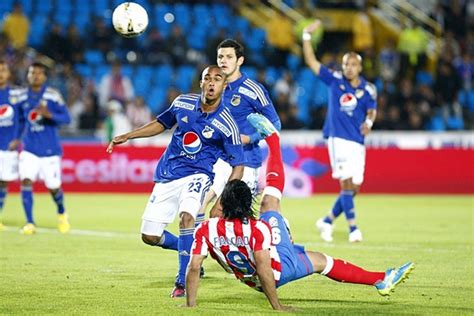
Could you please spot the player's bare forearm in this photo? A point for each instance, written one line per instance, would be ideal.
(308, 51)
(192, 279)
(265, 275)
(369, 122)
(237, 173)
(151, 129)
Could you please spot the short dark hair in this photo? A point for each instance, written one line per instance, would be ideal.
(229, 42)
(38, 64)
(236, 201)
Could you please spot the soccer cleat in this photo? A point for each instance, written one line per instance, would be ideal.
(202, 273)
(28, 229)
(355, 236)
(325, 230)
(178, 291)
(263, 126)
(393, 277)
(63, 224)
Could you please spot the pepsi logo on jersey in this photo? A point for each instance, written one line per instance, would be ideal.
(191, 143)
(348, 103)
(34, 116)
(6, 112)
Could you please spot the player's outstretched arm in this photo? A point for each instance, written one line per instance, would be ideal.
(265, 275)
(308, 51)
(192, 279)
(151, 129)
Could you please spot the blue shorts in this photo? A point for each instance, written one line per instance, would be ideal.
(295, 264)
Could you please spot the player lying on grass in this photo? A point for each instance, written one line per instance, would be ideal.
(259, 252)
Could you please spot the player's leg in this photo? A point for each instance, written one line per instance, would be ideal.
(3, 194)
(161, 209)
(351, 188)
(192, 194)
(8, 173)
(29, 168)
(51, 171)
(222, 171)
(344, 271)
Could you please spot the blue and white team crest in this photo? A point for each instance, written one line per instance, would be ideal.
(207, 132)
(6, 115)
(348, 103)
(191, 143)
(235, 101)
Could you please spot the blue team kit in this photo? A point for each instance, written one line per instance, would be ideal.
(41, 134)
(11, 100)
(245, 96)
(347, 106)
(198, 140)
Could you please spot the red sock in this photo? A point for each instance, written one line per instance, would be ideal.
(275, 173)
(344, 271)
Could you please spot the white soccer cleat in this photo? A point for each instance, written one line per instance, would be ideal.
(325, 230)
(355, 236)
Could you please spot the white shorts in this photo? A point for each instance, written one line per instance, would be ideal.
(347, 159)
(47, 169)
(8, 165)
(222, 171)
(172, 198)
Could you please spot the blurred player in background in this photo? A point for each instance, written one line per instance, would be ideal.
(43, 112)
(10, 130)
(351, 114)
(205, 131)
(260, 252)
(242, 96)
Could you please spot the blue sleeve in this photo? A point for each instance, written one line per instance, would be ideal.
(268, 110)
(167, 118)
(60, 114)
(372, 100)
(233, 146)
(326, 75)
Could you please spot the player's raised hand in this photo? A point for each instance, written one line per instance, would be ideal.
(313, 26)
(117, 140)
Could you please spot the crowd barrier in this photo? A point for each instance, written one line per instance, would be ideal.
(396, 163)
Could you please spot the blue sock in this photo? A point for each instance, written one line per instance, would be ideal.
(352, 228)
(347, 202)
(336, 210)
(58, 198)
(168, 241)
(184, 249)
(199, 219)
(3, 194)
(27, 199)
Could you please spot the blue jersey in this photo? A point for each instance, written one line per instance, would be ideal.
(198, 140)
(10, 124)
(41, 134)
(245, 96)
(347, 106)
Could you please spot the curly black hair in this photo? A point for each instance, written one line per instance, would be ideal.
(236, 201)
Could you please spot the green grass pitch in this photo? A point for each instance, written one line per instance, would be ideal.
(103, 268)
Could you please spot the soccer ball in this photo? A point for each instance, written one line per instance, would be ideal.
(130, 19)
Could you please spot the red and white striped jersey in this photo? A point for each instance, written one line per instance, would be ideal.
(232, 243)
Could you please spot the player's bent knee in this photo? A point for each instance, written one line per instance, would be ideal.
(186, 220)
(269, 203)
(151, 240)
(318, 260)
(26, 182)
